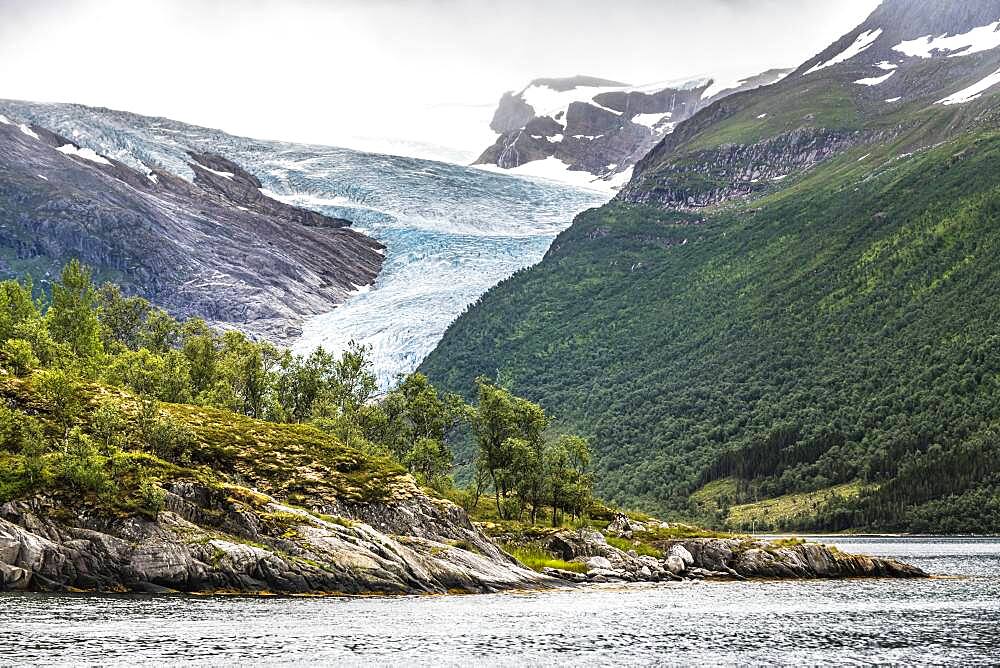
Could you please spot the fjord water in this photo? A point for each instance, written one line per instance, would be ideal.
(946, 620)
(452, 232)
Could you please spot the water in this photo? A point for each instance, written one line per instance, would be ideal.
(452, 232)
(938, 621)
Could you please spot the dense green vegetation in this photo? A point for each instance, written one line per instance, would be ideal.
(105, 396)
(840, 331)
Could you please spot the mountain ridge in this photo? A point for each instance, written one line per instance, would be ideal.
(214, 247)
(749, 317)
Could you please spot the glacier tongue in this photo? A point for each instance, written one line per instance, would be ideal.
(452, 232)
(450, 238)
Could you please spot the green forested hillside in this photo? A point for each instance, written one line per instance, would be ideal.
(842, 329)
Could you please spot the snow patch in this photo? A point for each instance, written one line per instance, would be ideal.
(974, 91)
(553, 169)
(978, 39)
(547, 101)
(28, 131)
(762, 116)
(4, 120)
(153, 177)
(720, 84)
(875, 81)
(43, 178)
(864, 157)
(556, 138)
(886, 65)
(225, 175)
(863, 41)
(894, 99)
(649, 120)
(85, 153)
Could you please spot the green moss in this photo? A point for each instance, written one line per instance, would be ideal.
(641, 548)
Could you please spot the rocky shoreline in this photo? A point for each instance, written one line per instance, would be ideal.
(236, 540)
(718, 559)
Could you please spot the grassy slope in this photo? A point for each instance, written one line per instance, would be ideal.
(854, 307)
(296, 463)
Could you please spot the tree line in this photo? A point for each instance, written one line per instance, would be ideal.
(84, 333)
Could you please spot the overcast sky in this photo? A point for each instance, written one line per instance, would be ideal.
(425, 70)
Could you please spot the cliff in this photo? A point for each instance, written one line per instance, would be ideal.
(218, 248)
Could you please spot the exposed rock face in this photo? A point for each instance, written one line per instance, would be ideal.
(856, 92)
(204, 541)
(597, 126)
(217, 248)
(726, 558)
(761, 559)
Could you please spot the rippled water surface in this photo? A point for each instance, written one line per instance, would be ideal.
(945, 620)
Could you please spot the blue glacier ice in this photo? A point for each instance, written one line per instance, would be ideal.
(451, 232)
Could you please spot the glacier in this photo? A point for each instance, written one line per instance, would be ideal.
(451, 231)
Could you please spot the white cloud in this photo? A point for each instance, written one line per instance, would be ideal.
(420, 70)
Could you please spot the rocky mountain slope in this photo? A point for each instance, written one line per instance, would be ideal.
(216, 247)
(792, 299)
(596, 126)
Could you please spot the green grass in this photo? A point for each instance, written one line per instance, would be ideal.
(784, 510)
(641, 548)
(536, 559)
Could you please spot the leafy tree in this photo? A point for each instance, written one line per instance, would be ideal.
(19, 356)
(430, 460)
(16, 307)
(505, 427)
(199, 345)
(72, 315)
(123, 319)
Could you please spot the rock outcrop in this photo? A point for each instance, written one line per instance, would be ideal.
(237, 540)
(720, 558)
(218, 248)
(598, 126)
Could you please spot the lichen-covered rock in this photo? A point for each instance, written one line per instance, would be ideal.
(749, 558)
(204, 543)
(682, 553)
(675, 565)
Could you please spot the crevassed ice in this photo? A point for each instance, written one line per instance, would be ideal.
(863, 41)
(974, 91)
(451, 232)
(976, 40)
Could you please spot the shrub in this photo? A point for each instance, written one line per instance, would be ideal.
(83, 467)
(19, 357)
(152, 497)
(60, 391)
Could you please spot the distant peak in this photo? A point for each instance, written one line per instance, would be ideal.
(564, 84)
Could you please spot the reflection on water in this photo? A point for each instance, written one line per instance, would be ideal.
(945, 620)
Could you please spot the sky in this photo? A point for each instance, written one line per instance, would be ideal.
(377, 73)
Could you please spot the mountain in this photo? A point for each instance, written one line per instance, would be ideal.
(451, 232)
(215, 246)
(786, 319)
(596, 127)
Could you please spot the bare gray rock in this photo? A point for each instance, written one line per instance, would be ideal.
(218, 248)
(202, 544)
